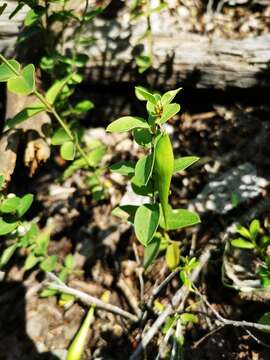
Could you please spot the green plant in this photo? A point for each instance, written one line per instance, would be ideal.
(21, 81)
(253, 238)
(143, 9)
(25, 236)
(12, 223)
(59, 53)
(62, 59)
(151, 176)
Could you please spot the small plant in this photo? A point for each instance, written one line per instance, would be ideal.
(253, 238)
(12, 223)
(143, 9)
(25, 236)
(151, 177)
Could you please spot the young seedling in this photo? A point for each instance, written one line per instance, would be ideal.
(252, 238)
(144, 9)
(151, 176)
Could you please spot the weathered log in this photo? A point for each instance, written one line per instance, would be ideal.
(9, 28)
(189, 59)
(179, 58)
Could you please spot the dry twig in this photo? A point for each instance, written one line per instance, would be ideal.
(223, 321)
(181, 294)
(87, 299)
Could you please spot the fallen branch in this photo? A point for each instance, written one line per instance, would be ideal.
(180, 294)
(223, 321)
(87, 299)
(123, 286)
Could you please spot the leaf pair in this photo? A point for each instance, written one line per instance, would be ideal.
(19, 81)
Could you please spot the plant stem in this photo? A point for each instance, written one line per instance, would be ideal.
(51, 109)
(149, 30)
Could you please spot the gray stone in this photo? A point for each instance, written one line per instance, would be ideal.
(60, 353)
(232, 188)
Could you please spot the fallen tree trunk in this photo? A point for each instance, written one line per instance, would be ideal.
(188, 59)
(179, 58)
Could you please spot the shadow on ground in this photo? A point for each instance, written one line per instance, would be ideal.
(14, 341)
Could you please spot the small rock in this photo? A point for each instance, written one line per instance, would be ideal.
(36, 326)
(130, 198)
(60, 353)
(236, 186)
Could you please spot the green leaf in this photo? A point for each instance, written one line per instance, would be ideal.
(124, 168)
(265, 319)
(182, 163)
(254, 228)
(144, 190)
(31, 261)
(264, 241)
(56, 88)
(125, 212)
(7, 254)
(144, 169)
(68, 150)
(267, 261)
(170, 321)
(144, 95)
(146, 222)
(172, 255)
(151, 109)
(31, 18)
(46, 63)
(42, 242)
(180, 218)
(143, 62)
(25, 203)
(29, 238)
(189, 318)
(2, 181)
(127, 123)
(151, 251)
(243, 232)
(94, 158)
(25, 83)
(10, 204)
(66, 299)
(23, 115)
(242, 244)
(90, 15)
(49, 263)
(6, 73)
(48, 293)
(69, 261)
(169, 111)
(142, 137)
(83, 106)
(60, 137)
(265, 280)
(168, 97)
